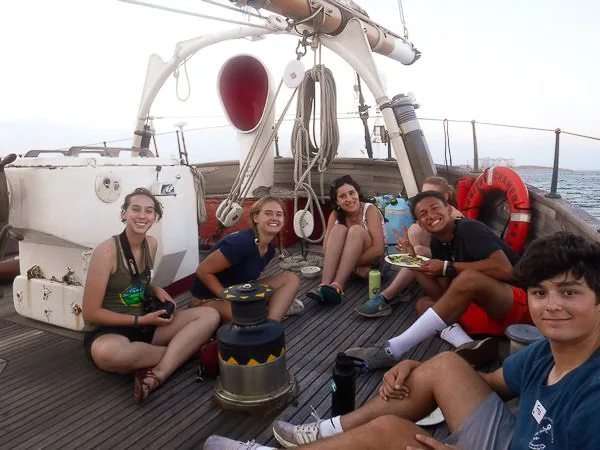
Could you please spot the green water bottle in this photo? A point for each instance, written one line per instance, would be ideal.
(374, 279)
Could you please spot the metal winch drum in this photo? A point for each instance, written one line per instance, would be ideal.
(252, 365)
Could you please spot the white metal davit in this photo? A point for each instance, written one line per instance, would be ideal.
(158, 70)
(352, 45)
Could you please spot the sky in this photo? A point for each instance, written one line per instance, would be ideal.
(73, 71)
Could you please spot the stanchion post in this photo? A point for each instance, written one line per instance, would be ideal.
(277, 155)
(388, 142)
(475, 149)
(553, 185)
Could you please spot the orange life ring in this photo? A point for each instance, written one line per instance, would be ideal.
(463, 186)
(508, 181)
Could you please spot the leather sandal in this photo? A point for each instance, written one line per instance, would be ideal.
(145, 381)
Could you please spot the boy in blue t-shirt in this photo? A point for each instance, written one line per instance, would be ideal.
(556, 379)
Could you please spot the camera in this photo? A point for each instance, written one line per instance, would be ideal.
(152, 303)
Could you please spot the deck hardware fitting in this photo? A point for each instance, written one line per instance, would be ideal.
(69, 279)
(35, 272)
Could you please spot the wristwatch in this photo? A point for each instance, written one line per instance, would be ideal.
(136, 321)
(450, 270)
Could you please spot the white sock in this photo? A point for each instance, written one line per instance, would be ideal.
(331, 427)
(455, 335)
(426, 325)
(262, 447)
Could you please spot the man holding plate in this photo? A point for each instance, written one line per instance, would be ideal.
(467, 281)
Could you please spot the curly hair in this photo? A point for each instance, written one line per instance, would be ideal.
(557, 254)
(145, 192)
(333, 188)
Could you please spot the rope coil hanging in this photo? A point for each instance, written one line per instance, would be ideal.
(329, 136)
(307, 154)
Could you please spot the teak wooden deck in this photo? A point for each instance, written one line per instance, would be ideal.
(51, 397)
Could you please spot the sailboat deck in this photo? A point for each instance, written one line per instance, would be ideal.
(52, 397)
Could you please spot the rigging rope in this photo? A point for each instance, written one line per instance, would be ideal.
(401, 10)
(187, 79)
(246, 175)
(200, 187)
(329, 135)
(307, 154)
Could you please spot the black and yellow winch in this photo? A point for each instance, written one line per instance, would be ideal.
(252, 363)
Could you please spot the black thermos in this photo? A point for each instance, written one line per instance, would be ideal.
(343, 385)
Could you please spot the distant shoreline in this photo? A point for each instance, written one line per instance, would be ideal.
(543, 167)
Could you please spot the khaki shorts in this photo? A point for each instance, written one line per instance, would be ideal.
(491, 427)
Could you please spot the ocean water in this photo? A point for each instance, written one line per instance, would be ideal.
(579, 187)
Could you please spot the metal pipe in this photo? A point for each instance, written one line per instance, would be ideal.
(179, 147)
(277, 155)
(553, 185)
(155, 146)
(388, 142)
(475, 150)
(185, 153)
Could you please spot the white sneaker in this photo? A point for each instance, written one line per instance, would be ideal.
(223, 443)
(378, 356)
(297, 307)
(291, 436)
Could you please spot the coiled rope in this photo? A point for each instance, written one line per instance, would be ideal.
(200, 187)
(297, 262)
(307, 154)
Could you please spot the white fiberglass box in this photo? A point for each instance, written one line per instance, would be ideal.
(66, 206)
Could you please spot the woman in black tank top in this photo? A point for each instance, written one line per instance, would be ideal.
(119, 337)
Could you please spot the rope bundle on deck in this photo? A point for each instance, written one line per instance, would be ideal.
(297, 262)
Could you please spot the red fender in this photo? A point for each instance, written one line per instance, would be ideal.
(508, 181)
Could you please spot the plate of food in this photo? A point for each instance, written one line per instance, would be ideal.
(435, 418)
(406, 260)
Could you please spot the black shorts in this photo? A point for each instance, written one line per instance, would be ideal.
(141, 334)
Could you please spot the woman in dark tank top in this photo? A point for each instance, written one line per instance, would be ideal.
(119, 337)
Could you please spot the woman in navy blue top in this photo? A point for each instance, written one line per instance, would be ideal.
(241, 257)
